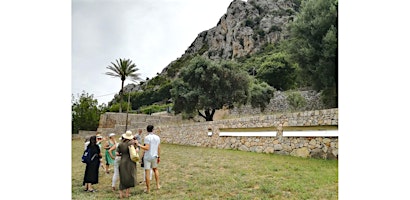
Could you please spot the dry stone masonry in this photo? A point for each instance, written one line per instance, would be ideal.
(172, 130)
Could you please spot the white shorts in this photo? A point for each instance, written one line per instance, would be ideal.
(150, 163)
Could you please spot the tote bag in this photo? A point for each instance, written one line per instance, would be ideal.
(133, 153)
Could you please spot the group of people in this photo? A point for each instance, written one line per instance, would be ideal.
(117, 155)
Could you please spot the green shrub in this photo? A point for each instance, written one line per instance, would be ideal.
(261, 32)
(116, 107)
(249, 22)
(204, 48)
(260, 9)
(255, 37)
(155, 108)
(296, 101)
(177, 65)
(329, 97)
(241, 42)
(188, 116)
(274, 28)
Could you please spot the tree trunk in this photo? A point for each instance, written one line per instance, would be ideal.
(121, 94)
(208, 115)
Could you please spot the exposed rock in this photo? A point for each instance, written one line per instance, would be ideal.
(269, 150)
(258, 149)
(277, 147)
(280, 103)
(243, 148)
(301, 152)
(132, 88)
(243, 30)
(317, 153)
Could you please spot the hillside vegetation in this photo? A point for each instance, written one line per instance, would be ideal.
(279, 45)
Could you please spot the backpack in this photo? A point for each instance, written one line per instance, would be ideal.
(87, 158)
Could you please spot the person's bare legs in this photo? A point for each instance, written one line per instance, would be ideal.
(121, 194)
(143, 176)
(102, 165)
(89, 187)
(147, 182)
(127, 192)
(156, 173)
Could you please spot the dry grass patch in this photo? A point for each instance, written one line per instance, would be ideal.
(204, 173)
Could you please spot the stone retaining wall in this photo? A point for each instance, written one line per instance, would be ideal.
(115, 122)
(172, 130)
(83, 134)
(318, 147)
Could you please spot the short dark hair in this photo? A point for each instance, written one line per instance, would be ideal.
(150, 128)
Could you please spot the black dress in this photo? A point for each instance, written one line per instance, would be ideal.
(91, 170)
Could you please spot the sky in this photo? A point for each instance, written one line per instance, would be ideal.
(152, 34)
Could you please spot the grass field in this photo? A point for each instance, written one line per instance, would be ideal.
(204, 173)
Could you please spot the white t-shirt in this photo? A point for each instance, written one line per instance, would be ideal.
(153, 141)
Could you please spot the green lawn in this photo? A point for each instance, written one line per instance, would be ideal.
(204, 173)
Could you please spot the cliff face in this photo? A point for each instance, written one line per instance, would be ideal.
(244, 29)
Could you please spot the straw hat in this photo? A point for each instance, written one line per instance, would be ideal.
(128, 135)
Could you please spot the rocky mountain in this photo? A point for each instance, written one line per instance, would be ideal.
(243, 30)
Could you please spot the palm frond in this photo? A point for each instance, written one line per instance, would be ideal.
(123, 68)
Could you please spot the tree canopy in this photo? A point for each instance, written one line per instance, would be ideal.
(124, 68)
(313, 45)
(260, 94)
(277, 71)
(85, 113)
(209, 85)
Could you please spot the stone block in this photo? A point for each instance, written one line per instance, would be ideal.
(277, 147)
(317, 153)
(269, 150)
(258, 149)
(301, 152)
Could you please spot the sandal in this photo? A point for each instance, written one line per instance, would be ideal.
(92, 190)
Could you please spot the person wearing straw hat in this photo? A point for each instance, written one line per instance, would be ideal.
(127, 167)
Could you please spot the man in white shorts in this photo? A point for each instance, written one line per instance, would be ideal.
(138, 138)
(151, 156)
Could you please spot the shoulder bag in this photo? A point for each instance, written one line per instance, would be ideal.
(133, 153)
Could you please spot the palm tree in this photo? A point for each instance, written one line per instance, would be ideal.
(124, 68)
